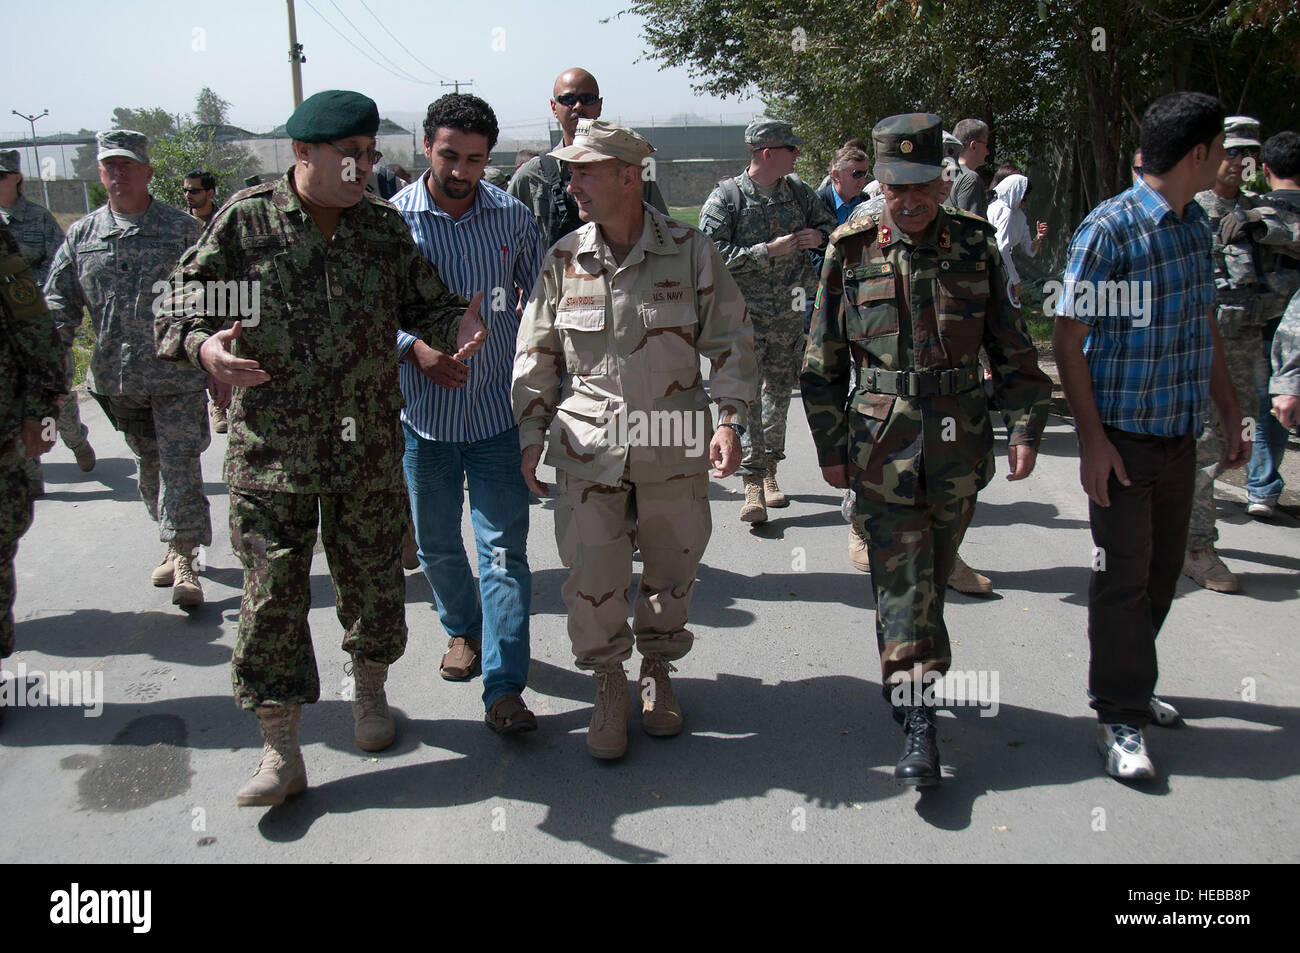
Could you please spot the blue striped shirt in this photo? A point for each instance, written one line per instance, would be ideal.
(494, 248)
(1143, 280)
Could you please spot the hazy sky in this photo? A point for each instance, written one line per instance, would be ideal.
(80, 60)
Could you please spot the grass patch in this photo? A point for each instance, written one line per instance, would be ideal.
(690, 214)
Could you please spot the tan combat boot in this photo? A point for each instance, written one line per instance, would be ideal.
(281, 772)
(220, 422)
(1205, 568)
(858, 552)
(164, 573)
(661, 715)
(755, 508)
(607, 734)
(85, 455)
(967, 580)
(186, 591)
(373, 723)
(771, 492)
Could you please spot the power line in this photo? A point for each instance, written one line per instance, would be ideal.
(408, 75)
(401, 44)
(359, 49)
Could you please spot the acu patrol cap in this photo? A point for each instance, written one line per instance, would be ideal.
(773, 131)
(123, 142)
(10, 161)
(951, 145)
(909, 149)
(333, 114)
(597, 140)
(1239, 131)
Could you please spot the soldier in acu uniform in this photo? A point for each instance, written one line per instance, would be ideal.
(110, 263)
(764, 222)
(31, 383)
(314, 433)
(1243, 225)
(909, 296)
(39, 237)
(607, 371)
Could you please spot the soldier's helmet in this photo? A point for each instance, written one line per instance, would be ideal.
(909, 149)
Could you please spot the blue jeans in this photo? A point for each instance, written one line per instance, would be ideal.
(1264, 481)
(496, 610)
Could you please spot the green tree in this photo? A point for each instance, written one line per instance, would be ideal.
(193, 147)
(210, 108)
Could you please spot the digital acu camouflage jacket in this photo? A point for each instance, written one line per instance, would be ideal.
(112, 270)
(31, 353)
(1243, 279)
(887, 302)
(37, 232)
(327, 315)
(603, 346)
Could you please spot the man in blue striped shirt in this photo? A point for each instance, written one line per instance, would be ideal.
(1140, 356)
(458, 421)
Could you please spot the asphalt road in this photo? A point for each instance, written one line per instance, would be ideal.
(789, 747)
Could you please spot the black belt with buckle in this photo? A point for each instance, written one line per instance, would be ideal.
(942, 383)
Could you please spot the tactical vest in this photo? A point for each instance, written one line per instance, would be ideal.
(564, 210)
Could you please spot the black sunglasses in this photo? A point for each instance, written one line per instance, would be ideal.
(191, 191)
(859, 173)
(572, 99)
(1242, 151)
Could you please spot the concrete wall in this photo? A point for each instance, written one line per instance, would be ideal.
(689, 181)
(65, 195)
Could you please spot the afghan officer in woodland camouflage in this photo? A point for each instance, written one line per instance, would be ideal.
(31, 385)
(110, 264)
(1243, 225)
(39, 237)
(314, 434)
(908, 296)
(765, 222)
(607, 372)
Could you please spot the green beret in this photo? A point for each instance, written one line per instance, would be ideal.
(333, 114)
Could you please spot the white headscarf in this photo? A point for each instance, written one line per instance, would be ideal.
(1012, 189)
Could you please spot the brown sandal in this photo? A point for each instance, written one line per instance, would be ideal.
(509, 715)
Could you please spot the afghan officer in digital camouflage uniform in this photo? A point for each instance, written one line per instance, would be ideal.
(1243, 226)
(111, 262)
(909, 296)
(314, 433)
(607, 372)
(39, 237)
(31, 384)
(765, 222)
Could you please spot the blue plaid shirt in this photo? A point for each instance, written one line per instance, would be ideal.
(494, 248)
(1149, 357)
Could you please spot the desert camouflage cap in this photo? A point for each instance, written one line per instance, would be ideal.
(1240, 131)
(597, 140)
(909, 149)
(123, 142)
(10, 161)
(771, 130)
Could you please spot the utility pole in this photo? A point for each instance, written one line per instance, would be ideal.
(36, 155)
(296, 59)
(458, 83)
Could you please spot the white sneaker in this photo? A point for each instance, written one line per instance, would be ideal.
(1125, 752)
(1164, 714)
(1261, 511)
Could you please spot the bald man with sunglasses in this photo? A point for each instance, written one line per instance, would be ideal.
(542, 182)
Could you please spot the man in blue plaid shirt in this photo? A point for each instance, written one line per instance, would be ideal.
(1140, 356)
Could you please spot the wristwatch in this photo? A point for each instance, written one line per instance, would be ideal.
(740, 431)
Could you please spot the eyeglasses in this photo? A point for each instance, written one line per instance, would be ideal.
(356, 155)
(192, 191)
(794, 149)
(572, 99)
(859, 173)
(1236, 151)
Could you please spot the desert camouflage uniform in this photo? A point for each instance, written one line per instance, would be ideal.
(888, 304)
(160, 408)
(39, 237)
(323, 432)
(602, 340)
(769, 286)
(1244, 303)
(31, 383)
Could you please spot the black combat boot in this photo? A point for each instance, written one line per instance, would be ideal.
(919, 763)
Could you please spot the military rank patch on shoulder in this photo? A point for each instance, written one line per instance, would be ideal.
(23, 291)
(883, 238)
(945, 240)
